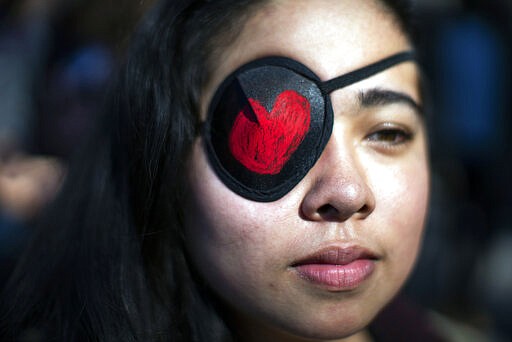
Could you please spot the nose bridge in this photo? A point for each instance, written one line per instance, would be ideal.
(340, 188)
(339, 155)
(341, 169)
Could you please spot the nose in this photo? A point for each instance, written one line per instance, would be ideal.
(339, 188)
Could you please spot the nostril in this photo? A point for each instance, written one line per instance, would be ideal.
(365, 209)
(337, 201)
(329, 213)
(326, 209)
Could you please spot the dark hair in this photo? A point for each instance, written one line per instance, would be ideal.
(108, 263)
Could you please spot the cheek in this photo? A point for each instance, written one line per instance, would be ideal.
(223, 243)
(402, 200)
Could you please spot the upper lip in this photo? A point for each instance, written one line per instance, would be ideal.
(336, 256)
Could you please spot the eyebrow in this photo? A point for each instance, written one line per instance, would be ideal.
(381, 97)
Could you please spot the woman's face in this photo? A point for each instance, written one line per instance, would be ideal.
(321, 261)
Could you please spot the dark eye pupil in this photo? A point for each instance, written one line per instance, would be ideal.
(390, 136)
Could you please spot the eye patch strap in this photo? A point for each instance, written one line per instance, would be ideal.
(365, 72)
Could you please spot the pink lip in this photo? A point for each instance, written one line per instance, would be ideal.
(337, 269)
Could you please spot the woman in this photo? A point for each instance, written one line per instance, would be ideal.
(262, 176)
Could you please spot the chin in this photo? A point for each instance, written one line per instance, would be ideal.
(331, 328)
(312, 332)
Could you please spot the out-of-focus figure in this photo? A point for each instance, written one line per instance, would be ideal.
(27, 182)
(56, 59)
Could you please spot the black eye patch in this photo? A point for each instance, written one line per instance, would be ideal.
(269, 122)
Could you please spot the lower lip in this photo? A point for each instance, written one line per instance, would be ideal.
(337, 277)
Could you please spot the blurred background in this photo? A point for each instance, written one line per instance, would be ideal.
(465, 269)
(57, 58)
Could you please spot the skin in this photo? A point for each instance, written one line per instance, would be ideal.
(368, 189)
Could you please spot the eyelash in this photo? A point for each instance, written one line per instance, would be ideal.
(389, 137)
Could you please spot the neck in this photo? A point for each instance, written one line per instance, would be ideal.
(252, 333)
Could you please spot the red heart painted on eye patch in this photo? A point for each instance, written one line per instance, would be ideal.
(264, 144)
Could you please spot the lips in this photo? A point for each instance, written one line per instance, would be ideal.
(337, 269)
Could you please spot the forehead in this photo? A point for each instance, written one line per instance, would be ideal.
(331, 37)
